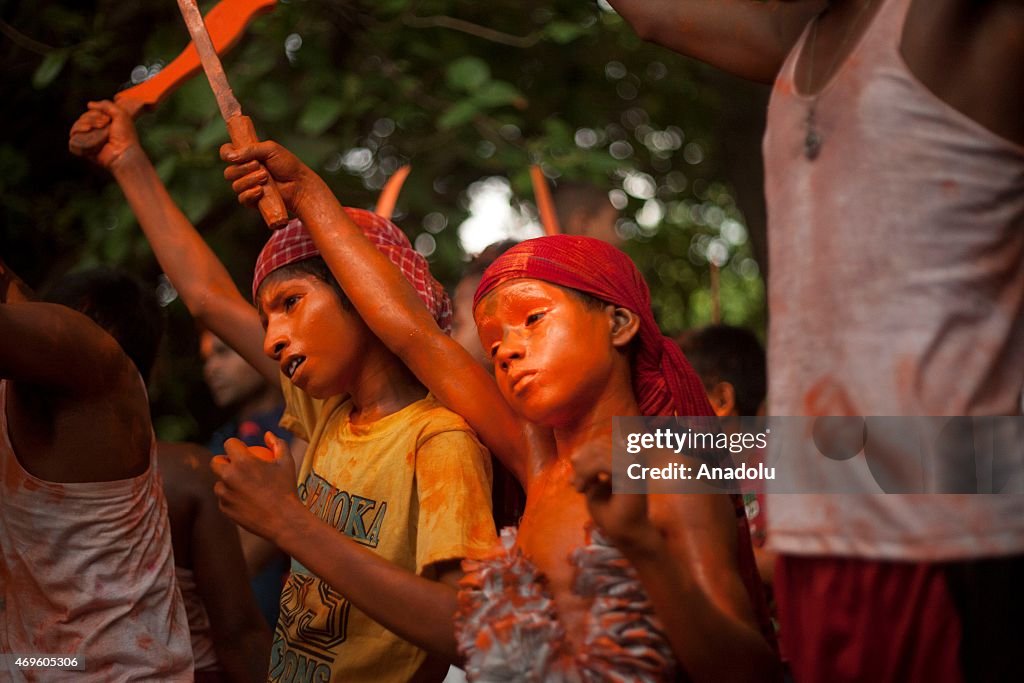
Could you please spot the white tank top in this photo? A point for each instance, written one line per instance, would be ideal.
(88, 570)
(896, 288)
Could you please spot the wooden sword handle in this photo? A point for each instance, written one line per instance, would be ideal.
(271, 205)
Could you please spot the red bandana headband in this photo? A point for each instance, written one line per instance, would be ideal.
(663, 380)
(293, 243)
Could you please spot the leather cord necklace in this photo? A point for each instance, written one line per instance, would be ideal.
(812, 137)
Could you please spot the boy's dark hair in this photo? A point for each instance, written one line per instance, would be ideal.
(589, 301)
(572, 195)
(486, 257)
(121, 305)
(317, 267)
(723, 353)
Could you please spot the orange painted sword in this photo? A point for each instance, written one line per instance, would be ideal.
(225, 23)
(545, 204)
(240, 127)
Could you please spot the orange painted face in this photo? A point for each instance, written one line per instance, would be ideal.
(316, 341)
(552, 353)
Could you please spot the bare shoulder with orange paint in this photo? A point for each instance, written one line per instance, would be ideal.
(743, 37)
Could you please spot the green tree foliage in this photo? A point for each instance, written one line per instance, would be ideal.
(461, 90)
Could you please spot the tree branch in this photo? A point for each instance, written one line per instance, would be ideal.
(441, 21)
(23, 41)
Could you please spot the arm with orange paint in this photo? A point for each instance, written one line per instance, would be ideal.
(747, 38)
(683, 548)
(52, 346)
(369, 278)
(193, 268)
(257, 490)
(63, 365)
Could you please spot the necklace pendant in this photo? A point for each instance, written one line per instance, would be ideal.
(812, 144)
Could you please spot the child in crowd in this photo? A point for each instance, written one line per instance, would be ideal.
(394, 490)
(731, 365)
(567, 323)
(585, 209)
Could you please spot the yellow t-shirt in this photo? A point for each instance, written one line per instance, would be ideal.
(414, 487)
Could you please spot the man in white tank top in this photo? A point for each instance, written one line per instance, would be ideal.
(894, 158)
(86, 569)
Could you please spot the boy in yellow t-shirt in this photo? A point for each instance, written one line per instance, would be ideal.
(398, 486)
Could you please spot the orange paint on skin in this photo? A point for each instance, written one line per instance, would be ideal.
(557, 366)
(334, 350)
(262, 452)
(305, 323)
(535, 331)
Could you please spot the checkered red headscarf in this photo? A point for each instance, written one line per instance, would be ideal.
(293, 243)
(663, 381)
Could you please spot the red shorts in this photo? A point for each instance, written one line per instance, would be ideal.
(863, 620)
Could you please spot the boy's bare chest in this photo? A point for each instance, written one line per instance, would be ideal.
(553, 526)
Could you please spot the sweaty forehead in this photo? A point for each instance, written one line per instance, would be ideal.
(277, 282)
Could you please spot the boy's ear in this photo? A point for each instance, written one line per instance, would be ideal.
(723, 399)
(625, 325)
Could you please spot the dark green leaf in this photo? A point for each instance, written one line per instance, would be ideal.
(468, 73)
(496, 94)
(49, 68)
(320, 114)
(458, 114)
(563, 31)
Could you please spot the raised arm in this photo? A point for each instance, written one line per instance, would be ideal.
(52, 346)
(384, 298)
(193, 268)
(66, 370)
(747, 38)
